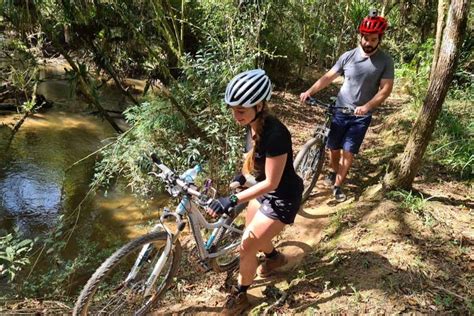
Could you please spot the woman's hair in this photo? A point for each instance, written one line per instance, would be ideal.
(249, 162)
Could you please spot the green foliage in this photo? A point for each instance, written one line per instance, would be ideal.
(416, 204)
(62, 274)
(462, 87)
(159, 126)
(414, 75)
(311, 32)
(14, 254)
(452, 144)
(409, 201)
(444, 301)
(20, 73)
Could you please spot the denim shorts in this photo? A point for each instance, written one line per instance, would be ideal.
(348, 132)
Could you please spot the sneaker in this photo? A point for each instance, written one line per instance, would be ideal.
(339, 194)
(330, 179)
(235, 303)
(269, 265)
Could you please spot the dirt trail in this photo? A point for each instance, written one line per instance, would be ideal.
(296, 241)
(366, 255)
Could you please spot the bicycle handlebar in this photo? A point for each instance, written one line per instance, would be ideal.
(315, 102)
(172, 180)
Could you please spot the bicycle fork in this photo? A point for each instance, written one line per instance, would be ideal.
(146, 249)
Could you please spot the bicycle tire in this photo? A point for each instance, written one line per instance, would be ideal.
(224, 238)
(129, 293)
(308, 164)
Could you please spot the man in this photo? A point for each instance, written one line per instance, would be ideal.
(368, 80)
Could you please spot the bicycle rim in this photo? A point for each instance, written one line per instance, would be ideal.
(224, 238)
(108, 292)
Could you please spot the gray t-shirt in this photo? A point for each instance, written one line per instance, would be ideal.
(362, 76)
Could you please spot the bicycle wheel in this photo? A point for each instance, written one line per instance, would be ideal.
(225, 238)
(110, 289)
(308, 164)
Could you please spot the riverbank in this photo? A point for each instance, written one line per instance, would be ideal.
(395, 253)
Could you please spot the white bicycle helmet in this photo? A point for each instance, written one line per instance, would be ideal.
(248, 88)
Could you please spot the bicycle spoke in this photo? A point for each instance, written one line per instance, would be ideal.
(224, 239)
(308, 164)
(112, 295)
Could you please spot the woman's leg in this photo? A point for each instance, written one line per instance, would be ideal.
(257, 236)
(252, 209)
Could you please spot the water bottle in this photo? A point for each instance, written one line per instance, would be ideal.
(190, 175)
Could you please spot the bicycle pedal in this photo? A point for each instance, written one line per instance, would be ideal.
(204, 266)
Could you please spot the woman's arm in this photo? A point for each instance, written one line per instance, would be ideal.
(274, 167)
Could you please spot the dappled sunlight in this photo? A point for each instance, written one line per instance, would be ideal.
(60, 121)
(126, 213)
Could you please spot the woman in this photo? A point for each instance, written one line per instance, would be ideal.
(276, 197)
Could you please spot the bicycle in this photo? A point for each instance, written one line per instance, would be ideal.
(135, 276)
(310, 159)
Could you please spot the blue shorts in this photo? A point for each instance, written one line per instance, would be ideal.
(348, 132)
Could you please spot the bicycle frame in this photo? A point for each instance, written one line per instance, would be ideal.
(329, 109)
(309, 160)
(186, 208)
(198, 222)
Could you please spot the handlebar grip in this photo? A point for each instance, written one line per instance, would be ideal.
(315, 102)
(311, 101)
(155, 159)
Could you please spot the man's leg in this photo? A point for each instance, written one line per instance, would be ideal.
(342, 171)
(343, 167)
(334, 159)
(351, 144)
(334, 144)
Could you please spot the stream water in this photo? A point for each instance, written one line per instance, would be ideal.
(37, 185)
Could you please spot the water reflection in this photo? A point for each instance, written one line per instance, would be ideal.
(34, 186)
(29, 197)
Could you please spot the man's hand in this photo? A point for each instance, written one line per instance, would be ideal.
(361, 110)
(304, 96)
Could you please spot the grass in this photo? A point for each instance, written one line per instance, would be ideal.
(415, 203)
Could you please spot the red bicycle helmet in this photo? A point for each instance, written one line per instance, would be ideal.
(373, 24)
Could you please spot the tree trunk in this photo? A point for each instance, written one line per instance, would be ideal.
(340, 47)
(442, 8)
(406, 167)
(387, 6)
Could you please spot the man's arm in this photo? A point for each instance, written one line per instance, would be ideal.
(386, 86)
(322, 83)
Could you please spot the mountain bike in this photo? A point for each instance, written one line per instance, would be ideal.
(310, 159)
(134, 277)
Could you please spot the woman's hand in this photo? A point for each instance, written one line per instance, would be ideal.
(220, 206)
(238, 181)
